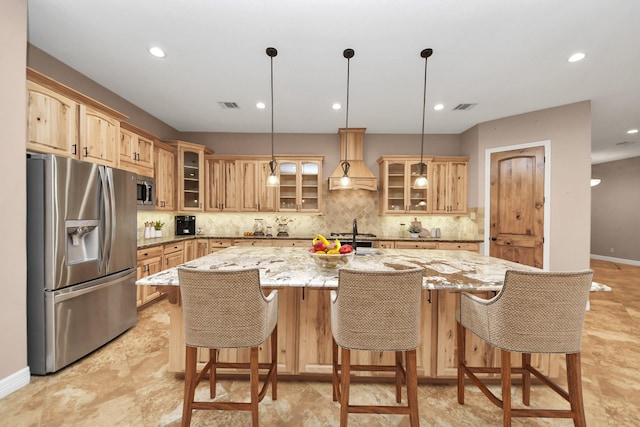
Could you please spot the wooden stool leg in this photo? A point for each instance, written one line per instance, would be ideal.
(254, 385)
(526, 379)
(460, 337)
(213, 358)
(398, 376)
(335, 380)
(189, 385)
(412, 388)
(274, 361)
(506, 387)
(345, 383)
(574, 381)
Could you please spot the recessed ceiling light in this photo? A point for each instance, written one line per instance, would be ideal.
(577, 57)
(438, 107)
(261, 105)
(336, 106)
(157, 52)
(632, 131)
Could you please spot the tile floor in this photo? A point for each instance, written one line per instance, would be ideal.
(126, 383)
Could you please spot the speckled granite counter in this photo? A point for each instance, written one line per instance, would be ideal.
(291, 267)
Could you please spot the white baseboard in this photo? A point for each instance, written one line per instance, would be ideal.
(618, 260)
(14, 382)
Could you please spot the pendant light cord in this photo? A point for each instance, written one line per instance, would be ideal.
(271, 52)
(348, 53)
(426, 53)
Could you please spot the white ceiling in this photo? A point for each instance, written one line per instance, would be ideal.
(508, 57)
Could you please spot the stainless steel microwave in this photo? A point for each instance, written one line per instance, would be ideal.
(145, 193)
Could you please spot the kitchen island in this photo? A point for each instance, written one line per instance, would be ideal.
(304, 340)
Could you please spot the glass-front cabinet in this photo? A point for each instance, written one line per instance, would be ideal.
(397, 195)
(190, 175)
(300, 187)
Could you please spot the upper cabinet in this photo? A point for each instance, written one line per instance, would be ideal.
(255, 196)
(52, 121)
(221, 189)
(165, 174)
(449, 185)
(397, 195)
(300, 179)
(136, 149)
(447, 192)
(65, 122)
(190, 184)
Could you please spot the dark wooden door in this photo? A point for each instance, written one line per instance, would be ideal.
(517, 206)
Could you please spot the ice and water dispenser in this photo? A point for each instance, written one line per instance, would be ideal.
(82, 240)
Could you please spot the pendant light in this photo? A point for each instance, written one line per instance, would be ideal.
(345, 181)
(273, 180)
(421, 181)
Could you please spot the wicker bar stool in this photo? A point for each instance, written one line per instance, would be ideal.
(535, 312)
(227, 309)
(376, 311)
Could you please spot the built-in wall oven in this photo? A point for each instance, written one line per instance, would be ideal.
(146, 192)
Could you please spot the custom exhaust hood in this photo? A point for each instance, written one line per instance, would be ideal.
(361, 177)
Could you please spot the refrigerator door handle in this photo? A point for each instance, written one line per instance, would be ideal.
(106, 220)
(110, 215)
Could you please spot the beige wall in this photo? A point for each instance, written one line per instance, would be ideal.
(13, 325)
(569, 130)
(615, 210)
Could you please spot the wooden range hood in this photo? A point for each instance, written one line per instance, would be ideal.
(361, 177)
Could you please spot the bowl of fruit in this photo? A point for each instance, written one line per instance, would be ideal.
(330, 254)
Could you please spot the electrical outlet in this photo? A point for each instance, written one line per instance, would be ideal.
(472, 215)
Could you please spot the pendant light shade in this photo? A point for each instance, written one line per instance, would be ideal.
(345, 181)
(273, 180)
(421, 181)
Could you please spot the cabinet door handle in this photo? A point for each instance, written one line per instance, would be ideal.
(75, 148)
(86, 151)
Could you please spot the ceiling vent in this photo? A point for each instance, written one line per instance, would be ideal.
(464, 107)
(229, 105)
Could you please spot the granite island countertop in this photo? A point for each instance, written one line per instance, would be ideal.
(292, 267)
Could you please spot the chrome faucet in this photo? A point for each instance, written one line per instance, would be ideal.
(355, 233)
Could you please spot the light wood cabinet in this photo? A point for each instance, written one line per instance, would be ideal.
(449, 186)
(252, 242)
(408, 244)
(219, 244)
(300, 184)
(221, 191)
(99, 136)
(149, 261)
(52, 122)
(165, 174)
(136, 150)
(189, 250)
(65, 122)
(202, 247)
(190, 182)
(255, 196)
(173, 254)
(461, 246)
(397, 195)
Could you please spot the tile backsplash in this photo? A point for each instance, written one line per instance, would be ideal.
(340, 209)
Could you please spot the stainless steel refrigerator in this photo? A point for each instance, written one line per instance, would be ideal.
(81, 258)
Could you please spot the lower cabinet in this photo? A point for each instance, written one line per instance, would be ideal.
(149, 262)
(173, 255)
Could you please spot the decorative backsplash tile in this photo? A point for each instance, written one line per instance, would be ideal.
(340, 209)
